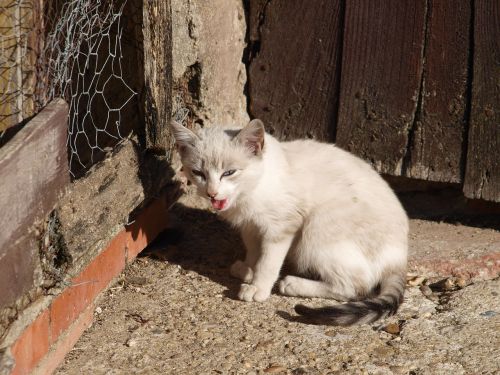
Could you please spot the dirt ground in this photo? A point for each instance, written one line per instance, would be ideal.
(174, 311)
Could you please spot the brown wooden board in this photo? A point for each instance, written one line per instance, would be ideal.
(157, 32)
(437, 139)
(33, 172)
(382, 68)
(294, 70)
(482, 176)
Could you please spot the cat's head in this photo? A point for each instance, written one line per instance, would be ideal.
(221, 163)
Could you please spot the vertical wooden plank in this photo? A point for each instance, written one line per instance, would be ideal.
(157, 33)
(294, 70)
(437, 140)
(380, 80)
(482, 175)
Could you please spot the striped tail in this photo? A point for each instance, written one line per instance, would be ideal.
(361, 312)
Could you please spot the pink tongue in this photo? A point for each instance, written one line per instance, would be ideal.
(218, 204)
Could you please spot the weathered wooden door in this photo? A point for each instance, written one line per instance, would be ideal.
(413, 86)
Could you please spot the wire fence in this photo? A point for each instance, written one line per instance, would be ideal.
(80, 58)
(17, 61)
(84, 56)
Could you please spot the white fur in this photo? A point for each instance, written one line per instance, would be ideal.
(325, 211)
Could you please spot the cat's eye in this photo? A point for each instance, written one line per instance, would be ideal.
(198, 173)
(228, 173)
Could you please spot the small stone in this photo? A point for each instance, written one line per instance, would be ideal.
(415, 280)
(263, 344)
(136, 280)
(274, 369)
(331, 333)
(392, 328)
(426, 314)
(426, 290)
(98, 310)
(461, 282)
(489, 314)
(131, 343)
(443, 285)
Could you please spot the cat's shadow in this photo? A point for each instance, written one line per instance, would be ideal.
(200, 242)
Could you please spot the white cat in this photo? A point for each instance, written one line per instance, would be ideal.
(323, 210)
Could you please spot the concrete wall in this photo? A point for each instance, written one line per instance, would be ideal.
(208, 40)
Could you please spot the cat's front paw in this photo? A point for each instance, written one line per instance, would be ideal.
(250, 292)
(241, 271)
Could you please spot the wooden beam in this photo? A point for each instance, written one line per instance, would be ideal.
(482, 175)
(157, 33)
(33, 173)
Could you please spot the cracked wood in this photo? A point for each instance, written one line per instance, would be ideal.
(436, 148)
(380, 82)
(293, 74)
(482, 176)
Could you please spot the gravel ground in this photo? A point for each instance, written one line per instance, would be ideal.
(174, 311)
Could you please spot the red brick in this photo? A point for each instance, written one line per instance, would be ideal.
(66, 342)
(149, 223)
(86, 286)
(32, 345)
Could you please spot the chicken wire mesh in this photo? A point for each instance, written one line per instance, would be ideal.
(17, 61)
(79, 56)
(84, 57)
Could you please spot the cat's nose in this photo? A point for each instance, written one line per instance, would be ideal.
(211, 194)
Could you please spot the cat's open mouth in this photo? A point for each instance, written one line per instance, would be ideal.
(218, 204)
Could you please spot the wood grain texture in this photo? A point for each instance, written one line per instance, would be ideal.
(382, 67)
(33, 172)
(157, 33)
(482, 176)
(293, 74)
(436, 150)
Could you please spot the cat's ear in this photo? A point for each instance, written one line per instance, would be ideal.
(184, 138)
(252, 136)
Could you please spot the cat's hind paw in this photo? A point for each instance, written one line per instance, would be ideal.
(291, 286)
(241, 271)
(250, 292)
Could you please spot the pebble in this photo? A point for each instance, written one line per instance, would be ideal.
(274, 369)
(331, 333)
(131, 343)
(136, 280)
(426, 290)
(489, 313)
(392, 328)
(98, 310)
(461, 282)
(264, 344)
(415, 281)
(443, 285)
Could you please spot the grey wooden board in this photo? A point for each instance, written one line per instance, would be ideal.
(33, 173)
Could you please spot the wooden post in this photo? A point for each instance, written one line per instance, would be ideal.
(482, 175)
(157, 33)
